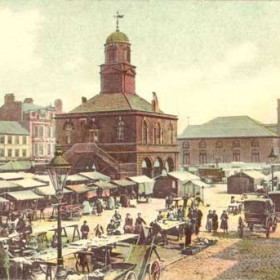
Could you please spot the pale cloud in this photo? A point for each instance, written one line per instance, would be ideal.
(18, 33)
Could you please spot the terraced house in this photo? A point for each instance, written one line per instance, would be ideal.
(228, 139)
(38, 120)
(117, 131)
(14, 141)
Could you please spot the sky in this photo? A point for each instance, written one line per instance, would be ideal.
(203, 58)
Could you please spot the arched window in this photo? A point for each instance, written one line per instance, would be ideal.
(255, 155)
(111, 54)
(93, 133)
(202, 144)
(236, 144)
(236, 155)
(158, 134)
(186, 158)
(255, 143)
(145, 132)
(219, 144)
(202, 157)
(68, 133)
(120, 130)
(171, 133)
(186, 145)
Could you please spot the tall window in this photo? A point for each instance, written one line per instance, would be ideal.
(40, 150)
(35, 131)
(41, 131)
(49, 149)
(202, 157)
(158, 134)
(219, 144)
(155, 135)
(24, 152)
(171, 133)
(236, 155)
(10, 139)
(68, 133)
(17, 139)
(94, 135)
(236, 144)
(2, 139)
(10, 152)
(145, 132)
(255, 155)
(48, 132)
(16, 152)
(2, 152)
(120, 131)
(186, 145)
(24, 140)
(186, 158)
(202, 144)
(255, 143)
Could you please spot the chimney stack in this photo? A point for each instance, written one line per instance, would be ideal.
(155, 105)
(9, 98)
(28, 100)
(58, 106)
(84, 100)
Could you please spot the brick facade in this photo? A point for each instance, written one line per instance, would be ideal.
(202, 151)
(117, 131)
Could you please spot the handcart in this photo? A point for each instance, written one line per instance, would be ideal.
(136, 266)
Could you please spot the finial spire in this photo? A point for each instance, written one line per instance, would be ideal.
(117, 16)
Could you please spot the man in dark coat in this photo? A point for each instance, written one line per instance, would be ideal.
(188, 233)
(85, 230)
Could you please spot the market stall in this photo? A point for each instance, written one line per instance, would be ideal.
(23, 200)
(145, 187)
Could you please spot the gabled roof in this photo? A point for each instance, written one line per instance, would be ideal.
(24, 195)
(94, 175)
(114, 102)
(228, 127)
(12, 128)
(183, 176)
(141, 179)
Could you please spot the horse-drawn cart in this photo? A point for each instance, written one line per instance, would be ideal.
(260, 212)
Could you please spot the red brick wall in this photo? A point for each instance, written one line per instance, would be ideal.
(225, 154)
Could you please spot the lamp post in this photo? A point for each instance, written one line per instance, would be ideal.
(58, 170)
(272, 156)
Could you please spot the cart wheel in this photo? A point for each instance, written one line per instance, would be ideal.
(155, 271)
(130, 276)
(274, 225)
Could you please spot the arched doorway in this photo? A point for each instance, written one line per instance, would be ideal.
(158, 166)
(147, 167)
(169, 165)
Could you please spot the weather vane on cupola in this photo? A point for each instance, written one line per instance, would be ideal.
(117, 16)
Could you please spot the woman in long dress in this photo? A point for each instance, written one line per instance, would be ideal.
(209, 223)
(224, 222)
(215, 223)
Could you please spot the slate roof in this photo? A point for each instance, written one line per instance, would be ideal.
(114, 102)
(12, 128)
(228, 127)
(26, 107)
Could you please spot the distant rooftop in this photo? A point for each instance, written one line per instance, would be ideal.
(228, 127)
(12, 128)
(114, 102)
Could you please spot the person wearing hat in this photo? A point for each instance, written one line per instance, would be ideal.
(85, 230)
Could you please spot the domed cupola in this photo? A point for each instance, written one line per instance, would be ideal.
(117, 74)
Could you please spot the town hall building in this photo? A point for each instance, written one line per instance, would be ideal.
(116, 131)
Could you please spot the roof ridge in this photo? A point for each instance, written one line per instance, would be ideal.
(127, 100)
(262, 126)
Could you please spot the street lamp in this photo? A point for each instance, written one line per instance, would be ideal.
(272, 156)
(58, 170)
